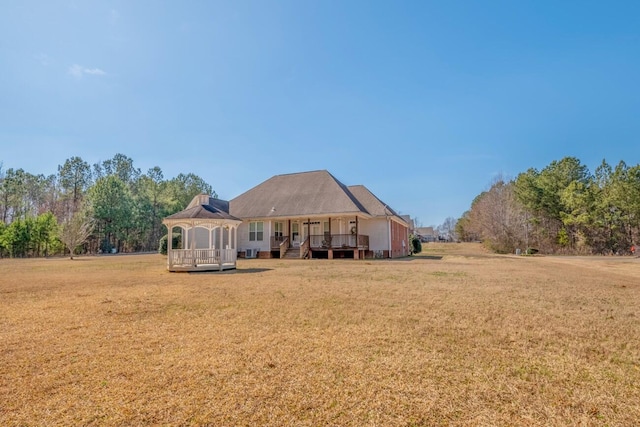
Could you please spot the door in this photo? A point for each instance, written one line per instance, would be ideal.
(278, 233)
(316, 235)
(295, 234)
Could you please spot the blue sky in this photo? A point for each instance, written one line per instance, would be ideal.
(424, 102)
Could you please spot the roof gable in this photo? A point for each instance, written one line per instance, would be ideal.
(297, 194)
(372, 204)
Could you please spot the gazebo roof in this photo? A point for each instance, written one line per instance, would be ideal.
(202, 212)
(203, 207)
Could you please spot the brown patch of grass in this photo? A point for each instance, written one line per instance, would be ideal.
(470, 339)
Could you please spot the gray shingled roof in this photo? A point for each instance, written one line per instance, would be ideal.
(205, 207)
(205, 199)
(371, 203)
(297, 194)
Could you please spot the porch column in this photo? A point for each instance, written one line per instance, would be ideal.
(355, 244)
(356, 251)
(330, 252)
(309, 237)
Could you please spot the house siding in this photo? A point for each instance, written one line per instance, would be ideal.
(378, 234)
(243, 238)
(399, 240)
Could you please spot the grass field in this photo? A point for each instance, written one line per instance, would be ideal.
(455, 336)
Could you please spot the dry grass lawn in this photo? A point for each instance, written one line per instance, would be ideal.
(454, 337)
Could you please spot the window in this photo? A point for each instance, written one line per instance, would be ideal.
(256, 231)
(278, 227)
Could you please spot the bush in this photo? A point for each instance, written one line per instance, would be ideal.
(176, 243)
(416, 245)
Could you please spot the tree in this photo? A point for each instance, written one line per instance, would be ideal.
(43, 233)
(464, 229)
(3, 248)
(448, 229)
(75, 231)
(16, 237)
(13, 195)
(183, 188)
(111, 206)
(497, 218)
(74, 177)
(151, 201)
(120, 166)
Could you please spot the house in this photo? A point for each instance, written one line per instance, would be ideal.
(426, 234)
(313, 215)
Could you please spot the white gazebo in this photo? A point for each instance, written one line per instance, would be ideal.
(209, 236)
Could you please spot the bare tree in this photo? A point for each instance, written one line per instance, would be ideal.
(448, 229)
(498, 218)
(75, 231)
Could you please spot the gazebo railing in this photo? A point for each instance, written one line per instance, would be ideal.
(202, 257)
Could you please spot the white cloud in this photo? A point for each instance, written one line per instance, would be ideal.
(94, 71)
(78, 71)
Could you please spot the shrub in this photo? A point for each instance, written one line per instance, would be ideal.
(176, 243)
(416, 245)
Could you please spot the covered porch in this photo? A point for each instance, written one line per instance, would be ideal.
(318, 237)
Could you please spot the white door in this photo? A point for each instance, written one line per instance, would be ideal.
(295, 234)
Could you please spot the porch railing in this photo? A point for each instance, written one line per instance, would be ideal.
(284, 245)
(304, 247)
(339, 241)
(276, 241)
(322, 241)
(195, 257)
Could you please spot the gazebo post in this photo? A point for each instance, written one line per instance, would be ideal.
(192, 244)
(235, 238)
(221, 246)
(169, 244)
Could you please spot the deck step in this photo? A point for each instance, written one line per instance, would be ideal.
(292, 253)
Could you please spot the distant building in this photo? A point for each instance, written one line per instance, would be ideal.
(427, 234)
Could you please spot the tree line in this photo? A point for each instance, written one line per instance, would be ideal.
(563, 208)
(89, 208)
